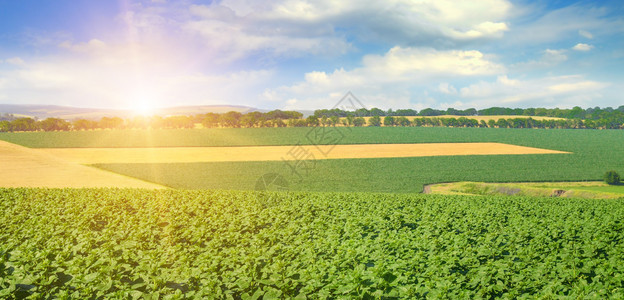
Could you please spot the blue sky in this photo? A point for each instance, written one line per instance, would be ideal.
(296, 54)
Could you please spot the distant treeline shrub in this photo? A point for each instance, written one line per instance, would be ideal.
(575, 118)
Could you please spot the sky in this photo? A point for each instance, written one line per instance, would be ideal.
(298, 54)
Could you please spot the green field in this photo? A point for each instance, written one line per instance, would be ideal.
(398, 175)
(107, 243)
(557, 139)
(593, 153)
(616, 189)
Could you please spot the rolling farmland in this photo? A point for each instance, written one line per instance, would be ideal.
(347, 228)
(591, 155)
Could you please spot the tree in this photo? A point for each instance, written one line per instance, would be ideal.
(405, 112)
(374, 121)
(231, 119)
(210, 120)
(430, 112)
(377, 112)
(612, 178)
(502, 123)
(54, 124)
(110, 123)
(251, 119)
(297, 123)
(312, 120)
(324, 120)
(358, 122)
(179, 122)
(362, 112)
(577, 113)
(389, 121)
(402, 121)
(24, 124)
(5, 126)
(349, 119)
(279, 123)
(83, 124)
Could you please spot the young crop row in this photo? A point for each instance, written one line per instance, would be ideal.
(106, 243)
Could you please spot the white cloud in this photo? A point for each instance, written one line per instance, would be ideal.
(90, 46)
(549, 58)
(124, 76)
(446, 88)
(582, 47)
(539, 92)
(586, 34)
(415, 62)
(586, 19)
(15, 61)
(387, 80)
(300, 27)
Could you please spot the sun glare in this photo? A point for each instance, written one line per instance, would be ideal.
(143, 108)
(143, 104)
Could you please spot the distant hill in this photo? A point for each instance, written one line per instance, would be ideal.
(70, 113)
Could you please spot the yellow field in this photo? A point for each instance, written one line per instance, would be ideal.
(532, 189)
(65, 167)
(277, 153)
(25, 167)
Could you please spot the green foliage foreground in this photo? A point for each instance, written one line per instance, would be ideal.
(106, 243)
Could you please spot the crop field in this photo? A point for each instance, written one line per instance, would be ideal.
(352, 227)
(277, 153)
(227, 137)
(116, 243)
(24, 167)
(592, 152)
(391, 175)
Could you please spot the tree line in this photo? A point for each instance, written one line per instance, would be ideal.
(592, 118)
(275, 118)
(595, 113)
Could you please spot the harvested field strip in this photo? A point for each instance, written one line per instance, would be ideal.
(584, 189)
(24, 167)
(277, 153)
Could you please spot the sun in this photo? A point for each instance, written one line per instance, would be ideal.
(143, 104)
(143, 108)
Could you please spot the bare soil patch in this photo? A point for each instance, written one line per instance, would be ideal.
(25, 167)
(277, 153)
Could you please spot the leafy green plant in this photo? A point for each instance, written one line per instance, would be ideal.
(125, 243)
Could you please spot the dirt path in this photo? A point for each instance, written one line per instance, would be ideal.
(277, 153)
(25, 167)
